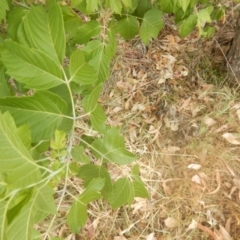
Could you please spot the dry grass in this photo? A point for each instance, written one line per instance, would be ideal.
(173, 116)
(173, 110)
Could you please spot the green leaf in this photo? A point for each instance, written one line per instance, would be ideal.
(208, 31)
(122, 194)
(3, 9)
(17, 203)
(128, 27)
(193, 3)
(70, 25)
(80, 71)
(151, 25)
(24, 134)
(2, 39)
(89, 171)
(188, 25)
(111, 47)
(87, 31)
(92, 6)
(181, 15)
(79, 156)
(42, 146)
(112, 148)
(169, 6)
(59, 141)
(98, 58)
(96, 112)
(115, 5)
(43, 112)
(73, 167)
(45, 30)
(138, 185)
(184, 4)
(63, 92)
(127, 3)
(92, 190)
(142, 7)
(36, 235)
(3, 187)
(135, 170)
(4, 87)
(14, 19)
(3, 220)
(21, 36)
(139, 188)
(98, 119)
(44, 201)
(77, 216)
(15, 160)
(31, 66)
(81, 7)
(21, 227)
(90, 102)
(101, 63)
(218, 13)
(74, 3)
(205, 1)
(133, 6)
(204, 16)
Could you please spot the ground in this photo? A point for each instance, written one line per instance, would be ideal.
(181, 116)
(179, 113)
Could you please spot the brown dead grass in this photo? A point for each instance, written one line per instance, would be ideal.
(173, 109)
(173, 116)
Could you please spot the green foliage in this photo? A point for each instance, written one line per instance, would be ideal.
(151, 25)
(128, 27)
(77, 216)
(49, 53)
(3, 9)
